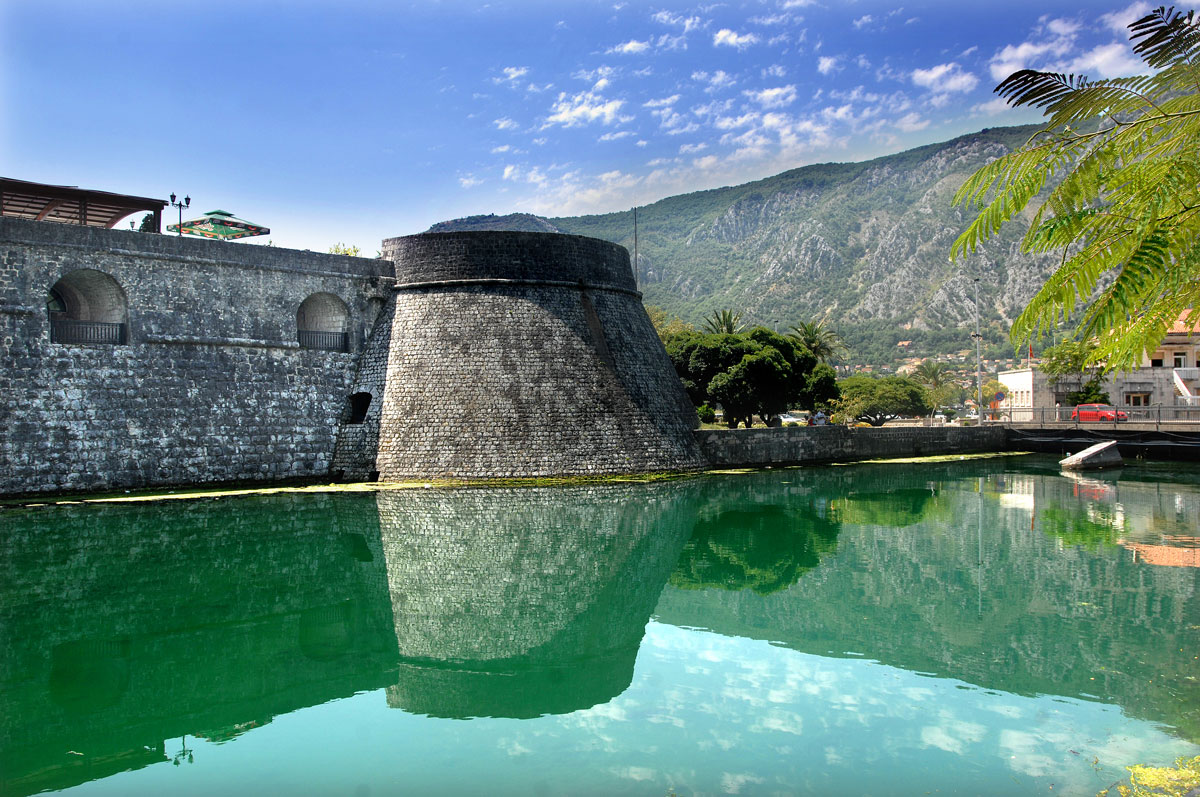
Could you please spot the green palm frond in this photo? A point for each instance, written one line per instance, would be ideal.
(1166, 38)
(1115, 177)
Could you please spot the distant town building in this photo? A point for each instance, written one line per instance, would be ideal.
(1168, 377)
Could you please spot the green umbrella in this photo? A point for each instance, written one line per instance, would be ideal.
(219, 224)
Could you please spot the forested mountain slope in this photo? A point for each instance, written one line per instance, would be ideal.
(863, 246)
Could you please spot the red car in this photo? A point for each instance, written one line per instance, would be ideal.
(1098, 412)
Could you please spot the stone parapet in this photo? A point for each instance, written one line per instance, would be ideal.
(520, 257)
(813, 444)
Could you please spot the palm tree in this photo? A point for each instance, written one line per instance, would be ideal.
(932, 374)
(935, 376)
(724, 322)
(825, 344)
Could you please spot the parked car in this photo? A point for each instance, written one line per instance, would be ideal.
(1098, 412)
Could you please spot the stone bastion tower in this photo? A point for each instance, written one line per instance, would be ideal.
(513, 354)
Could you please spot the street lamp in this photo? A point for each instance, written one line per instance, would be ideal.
(186, 203)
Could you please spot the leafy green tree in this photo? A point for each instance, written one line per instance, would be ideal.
(879, 400)
(1128, 202)
(825, 344)
(820, 388)
(666, 325)
(758, 384)
(342, 249)
(1076, 359)
(758, 372)
(724, 321)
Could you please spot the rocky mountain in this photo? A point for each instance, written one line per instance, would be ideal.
(863, 246)
(519, 222)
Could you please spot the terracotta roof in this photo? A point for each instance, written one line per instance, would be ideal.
(1180, 326)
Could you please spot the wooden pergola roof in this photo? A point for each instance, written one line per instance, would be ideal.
(70, 205)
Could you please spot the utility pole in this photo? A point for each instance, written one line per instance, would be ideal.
(978, 354)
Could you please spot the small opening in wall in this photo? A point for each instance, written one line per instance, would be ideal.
(358, 407)
(373, 476)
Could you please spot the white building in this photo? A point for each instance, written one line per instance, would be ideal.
(1169, 377)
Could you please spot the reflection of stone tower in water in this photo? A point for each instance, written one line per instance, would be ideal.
(517, 603)
(514, 354)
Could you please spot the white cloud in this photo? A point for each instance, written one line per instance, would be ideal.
(503, 148)
(1119, 21)
(511, 74)
(788, 4)
(912, 122)
(1055, 39)
(774, 70)
(688, 149)
(728, 38)
(615, 136)
(826, 64)
(584, 108)
(773, 98)
(1063, 27)
(511, 172)
(631, 47)
(716, 81)
(945, 78)
(676, 20)
(661, 103)
(863, 21)
(505, 124)
(734, 122)
(991, 107)
(1106, 61)
(470, 181)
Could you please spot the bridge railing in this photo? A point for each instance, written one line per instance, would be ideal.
(1163, 415)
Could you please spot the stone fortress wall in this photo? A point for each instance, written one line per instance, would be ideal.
(136, 360)
(522, 354)
(197, 373)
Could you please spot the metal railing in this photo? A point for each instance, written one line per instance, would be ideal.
(66, 330)
(325, 341)
(1062, 416)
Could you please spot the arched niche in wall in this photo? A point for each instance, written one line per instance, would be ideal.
(87, 306)
(321, 323)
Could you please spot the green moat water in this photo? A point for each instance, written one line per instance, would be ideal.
(975, 627)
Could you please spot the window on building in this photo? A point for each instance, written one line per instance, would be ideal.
(87, 306)
(1137, 399)
(1181, 359)
(1156, 363)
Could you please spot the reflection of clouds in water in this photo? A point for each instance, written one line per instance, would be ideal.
(852, 712)
(1007, 711)
(636, 773)
(732, 784)
(782, 721)
(952, 736)
(513, 747)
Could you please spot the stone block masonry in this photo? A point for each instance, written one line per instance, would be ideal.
(814, 444)
(208, 381)
(524, 354)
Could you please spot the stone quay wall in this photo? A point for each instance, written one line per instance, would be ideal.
(208, 382)
(523, 354)
(814, 444)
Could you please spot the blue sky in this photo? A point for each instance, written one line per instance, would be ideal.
(355, 121)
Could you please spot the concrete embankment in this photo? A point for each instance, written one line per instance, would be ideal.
(813, 444)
